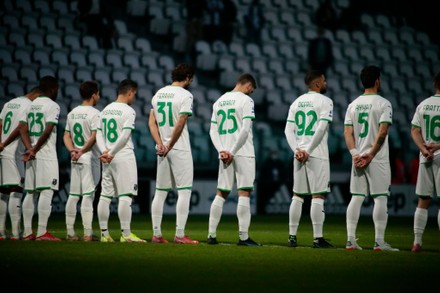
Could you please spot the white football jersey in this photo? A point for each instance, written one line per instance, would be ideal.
(114, 118)
(228, 113)
(43, 111)
(81, 122)
(427, 117)
(305, 112)
(365, 114)
(168, 104)
(12, 113)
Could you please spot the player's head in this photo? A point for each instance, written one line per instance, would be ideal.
(89, 90)
(315, 81)
(437, 81)
(183, 73)
(247, 82)
(370, 77)
(128, 88)
(49, 86)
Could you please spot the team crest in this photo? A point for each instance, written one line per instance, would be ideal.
(54, 182)
(135, 187)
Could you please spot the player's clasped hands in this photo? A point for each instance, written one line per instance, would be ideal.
(29, 155)
(105, 158)
(301, 155)
(162, 150)
(226, 157)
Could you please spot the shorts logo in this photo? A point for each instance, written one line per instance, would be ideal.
(135, 187)
(54, 182)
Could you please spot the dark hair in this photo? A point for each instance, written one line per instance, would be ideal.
(182, 71)
(245, 78)
(311, 76)
(437, 81)
(369, 75)
(49, 86)
(126, 85)
(87, 89)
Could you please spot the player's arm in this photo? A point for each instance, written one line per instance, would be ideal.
(215, 137)
(289, 131)
(177, 131)
(377, 145)
(416, 134)
(68, 143)
(14, 134)
(44, 137)
(89, 144)
(320, 131)
(154, 130)
(242, 135)
(121, 141)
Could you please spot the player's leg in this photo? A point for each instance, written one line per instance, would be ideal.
(44, 210)
(300, 188)
(181, 164)
(163, 185)
(125, 214)
(28, 206)
(424, 190)
(245, 174)
(225, 182)
(105, 199)
(71, 211)
(358, 189)
(3, 212)
(87, 215)
(14, 208)
(318, 175)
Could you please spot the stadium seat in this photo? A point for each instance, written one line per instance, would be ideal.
(96, 58)
(119, 74)
(226, 63)
(66, 73)
(142, 44)
(278, 34)
(22, 55)
(102, 75)
(253, 50)
(28, 73)
(286, 50)
(44, 70)
(54, 40)
(17, 38)
(41, 55)
(259, 65)
(72, 41)
(266, 81)
(114, 58)
(391, 37)
(166, 62)
(29, 21)
(139, 76)
(9, 71)
(60, 7)
(155, 78)
(242, 64)
(131, 60)
(270, 50)
(42, 6)
(35, 39)
(66, 23)
(23, 5)
(125, 43)
(84, 73)
(6, 54)
(60, 56)
(137, 8)
(149, 61)
(236, 49)
(47, 22)
(15, 88)
(271, 17)
(79, 57)
(90, 42)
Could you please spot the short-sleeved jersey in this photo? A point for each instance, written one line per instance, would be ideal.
(365, 114)
(228, 113)
(168, 104)
(81, 122)
(12, 113)
(43, 111)
(305, 112)
(427, 117)
(116, 117)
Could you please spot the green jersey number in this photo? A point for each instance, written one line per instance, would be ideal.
(78, 137)
(431, 125)
(230, 116)
(363, 119)
(301, 121)
(110, 128)
(36, 122)
(7, 122)
(161, 110)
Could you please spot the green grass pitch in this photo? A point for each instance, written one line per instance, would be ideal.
(274, 267)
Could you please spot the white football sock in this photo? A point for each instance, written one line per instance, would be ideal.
(14, 208)
(244, 217)
(3, 212)
(44, 210)
(104, 214)
(87, 213)
(215, 215)
(157, 211)
(28, 210)
(420, 220)
(182, 211)
(317, 215)
(380, 218)
(125, 213)
(295, 211)
(352, 217)
(71, 210)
